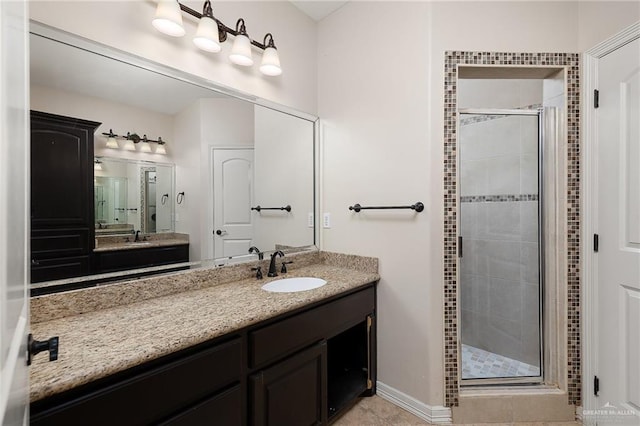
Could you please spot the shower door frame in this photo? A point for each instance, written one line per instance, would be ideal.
(502, 381)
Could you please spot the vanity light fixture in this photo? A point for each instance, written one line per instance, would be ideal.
(97, 165)
(111, 140)
(207, 37)
(132, 139)
(168, 19)
(241, 50)
(212, 32)
(145, 147)
(160, 149)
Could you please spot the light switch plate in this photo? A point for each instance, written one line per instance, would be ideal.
(310, 220)
(326, 220)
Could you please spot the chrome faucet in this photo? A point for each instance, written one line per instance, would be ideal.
(256, 250)
(137, 237)
(272, 266)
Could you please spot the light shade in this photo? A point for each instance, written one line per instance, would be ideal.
(206, 37)
(145, 147)
(97, 165)
(112, 142)
(168, 19)
(241, 51)
(270, 62)
(160, 149)
(129, 145)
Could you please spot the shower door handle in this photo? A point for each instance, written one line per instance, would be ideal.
(460, 246)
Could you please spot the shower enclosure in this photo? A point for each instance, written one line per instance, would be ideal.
(501, 245)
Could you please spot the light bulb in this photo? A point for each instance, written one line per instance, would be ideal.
(270, 62)
(241, 51)
(207, 35)
(168, 19)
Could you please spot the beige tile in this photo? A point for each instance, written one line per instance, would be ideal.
(483, 410)
(542, 408)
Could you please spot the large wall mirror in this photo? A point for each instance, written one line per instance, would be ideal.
(234, 173)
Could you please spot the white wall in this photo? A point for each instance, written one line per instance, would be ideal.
(380, 96)
(126, 25)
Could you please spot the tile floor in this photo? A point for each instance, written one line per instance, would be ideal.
(480, 364)
(376, 411)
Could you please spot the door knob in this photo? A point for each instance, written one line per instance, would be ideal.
(221, 232)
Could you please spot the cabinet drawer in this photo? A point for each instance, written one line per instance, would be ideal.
(270, 343)
(118, 260)
(57, 269)
(59, 242)
(223, 409)
(154, 395)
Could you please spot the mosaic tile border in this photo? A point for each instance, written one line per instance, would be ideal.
(497, 198)
(570, 61)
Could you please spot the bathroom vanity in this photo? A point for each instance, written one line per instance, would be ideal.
(224, 350)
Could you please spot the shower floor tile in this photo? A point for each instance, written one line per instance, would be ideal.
(481, 364)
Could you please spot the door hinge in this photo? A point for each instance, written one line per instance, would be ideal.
(596, 98)
(596, 385)
(369, 384)
(460, 246)
(596, 242)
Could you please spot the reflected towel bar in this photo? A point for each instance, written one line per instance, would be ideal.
(418, 207)
(258, 208)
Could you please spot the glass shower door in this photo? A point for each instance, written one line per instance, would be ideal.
(500, 270)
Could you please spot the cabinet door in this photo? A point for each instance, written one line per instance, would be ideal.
(61, 170)
(293, 392)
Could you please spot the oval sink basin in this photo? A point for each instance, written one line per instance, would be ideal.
(292, 285)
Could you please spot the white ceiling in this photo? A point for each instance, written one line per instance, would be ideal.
(318, 9)
(60, 66)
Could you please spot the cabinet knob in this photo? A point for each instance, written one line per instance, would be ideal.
(34, 347)
(35, 262)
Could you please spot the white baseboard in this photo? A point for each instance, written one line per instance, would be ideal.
(431, 414)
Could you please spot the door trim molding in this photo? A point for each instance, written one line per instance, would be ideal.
(590, 64)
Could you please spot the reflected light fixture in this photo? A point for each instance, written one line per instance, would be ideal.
(241, 50)
(270, 61)
(129, 144)
(207, 37)
(111, 140)
(132, 139)
(168, 19)
(212, 32)
(145, 147)
(97, 165)
(160, 149)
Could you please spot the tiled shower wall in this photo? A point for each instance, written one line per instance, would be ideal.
(570, 62)
(499, 286)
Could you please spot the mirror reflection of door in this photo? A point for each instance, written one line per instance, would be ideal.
(232, 198)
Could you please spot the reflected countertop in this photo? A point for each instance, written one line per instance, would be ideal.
(108, 329)
(125, 242)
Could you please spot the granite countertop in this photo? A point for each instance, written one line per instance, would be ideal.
(98, 343)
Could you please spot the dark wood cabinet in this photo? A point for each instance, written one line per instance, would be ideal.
(293, 392)
(121, 260)
(166, 391)
(61, 195)
(305, 367)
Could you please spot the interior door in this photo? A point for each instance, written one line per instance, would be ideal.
(14, 203)
(232, 198)
(618, 227)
